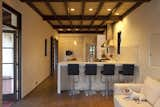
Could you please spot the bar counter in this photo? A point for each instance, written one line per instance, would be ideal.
(63, 80)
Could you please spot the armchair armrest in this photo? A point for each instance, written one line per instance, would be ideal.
(119, 87)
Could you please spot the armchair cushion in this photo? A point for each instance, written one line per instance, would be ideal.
(119, 88)
(121, 101)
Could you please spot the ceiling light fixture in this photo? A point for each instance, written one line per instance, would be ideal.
(77, 29)
(60, 29)
(75, 42)
(116, 13)
(72, 9)
(109, 9)
(90, 9)
(69, 29)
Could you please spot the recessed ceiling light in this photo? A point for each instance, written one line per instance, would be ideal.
(77, 29)
(75, 42)
(60, 29)
(90, 9)
(116, 13)
(69, 29)
(72, 9)
(109, 9)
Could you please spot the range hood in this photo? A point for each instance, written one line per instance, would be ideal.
(108, 35)
(105, 44)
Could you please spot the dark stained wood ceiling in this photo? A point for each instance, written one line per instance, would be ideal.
(83, 16)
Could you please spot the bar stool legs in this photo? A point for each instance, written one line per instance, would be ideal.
(73, 90)
(90, 91)
(106, 91)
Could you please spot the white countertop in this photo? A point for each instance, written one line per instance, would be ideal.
(98, 63)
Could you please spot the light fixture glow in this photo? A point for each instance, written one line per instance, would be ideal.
(69, 29)
(72, 9)
(90, 9)
(109, 9)
(60, 29)
(77, 29)
(116, 13)
(75, 42)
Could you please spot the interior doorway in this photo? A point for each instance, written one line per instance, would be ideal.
(11, 54)
(54, 55)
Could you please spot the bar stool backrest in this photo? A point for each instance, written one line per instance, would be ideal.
(108, 69)
(91, 69)
(73, 69)
(128, 69)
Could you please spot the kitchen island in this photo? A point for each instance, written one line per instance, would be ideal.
(82, 84)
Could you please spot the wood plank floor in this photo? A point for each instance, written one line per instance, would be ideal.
(45, 96)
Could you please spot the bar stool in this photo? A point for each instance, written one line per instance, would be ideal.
(90, 71)
(108, 72)
(73, 71)
(127, 72)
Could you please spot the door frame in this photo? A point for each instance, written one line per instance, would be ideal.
(19, 49)
(55, 55)
(12, 96)
(52, 55)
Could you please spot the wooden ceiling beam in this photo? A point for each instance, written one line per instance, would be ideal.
(52, 11)
(85, 0)
(97, 11)
(132, 9)
(35, 8)
(82, 11)
(80, 17)
(67, 10)
(77, 26)
(97, 32)
(113, 11)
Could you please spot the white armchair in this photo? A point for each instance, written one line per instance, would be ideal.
(120, 98)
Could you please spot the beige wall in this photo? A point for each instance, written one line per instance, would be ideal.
(66, 42)
(35, 66)
(0, 54)
(136, 31)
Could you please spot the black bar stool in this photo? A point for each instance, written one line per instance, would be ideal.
(73, 70)
(90, 71)
(127, 72)
(108, 73)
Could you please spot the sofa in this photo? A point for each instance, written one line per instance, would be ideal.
(150, 89)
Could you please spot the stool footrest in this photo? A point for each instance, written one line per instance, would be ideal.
(90, 92)
(74, 92)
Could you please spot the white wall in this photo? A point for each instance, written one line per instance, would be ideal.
(136, 31)
(66, 42)
(35, 66)
(0, 54)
